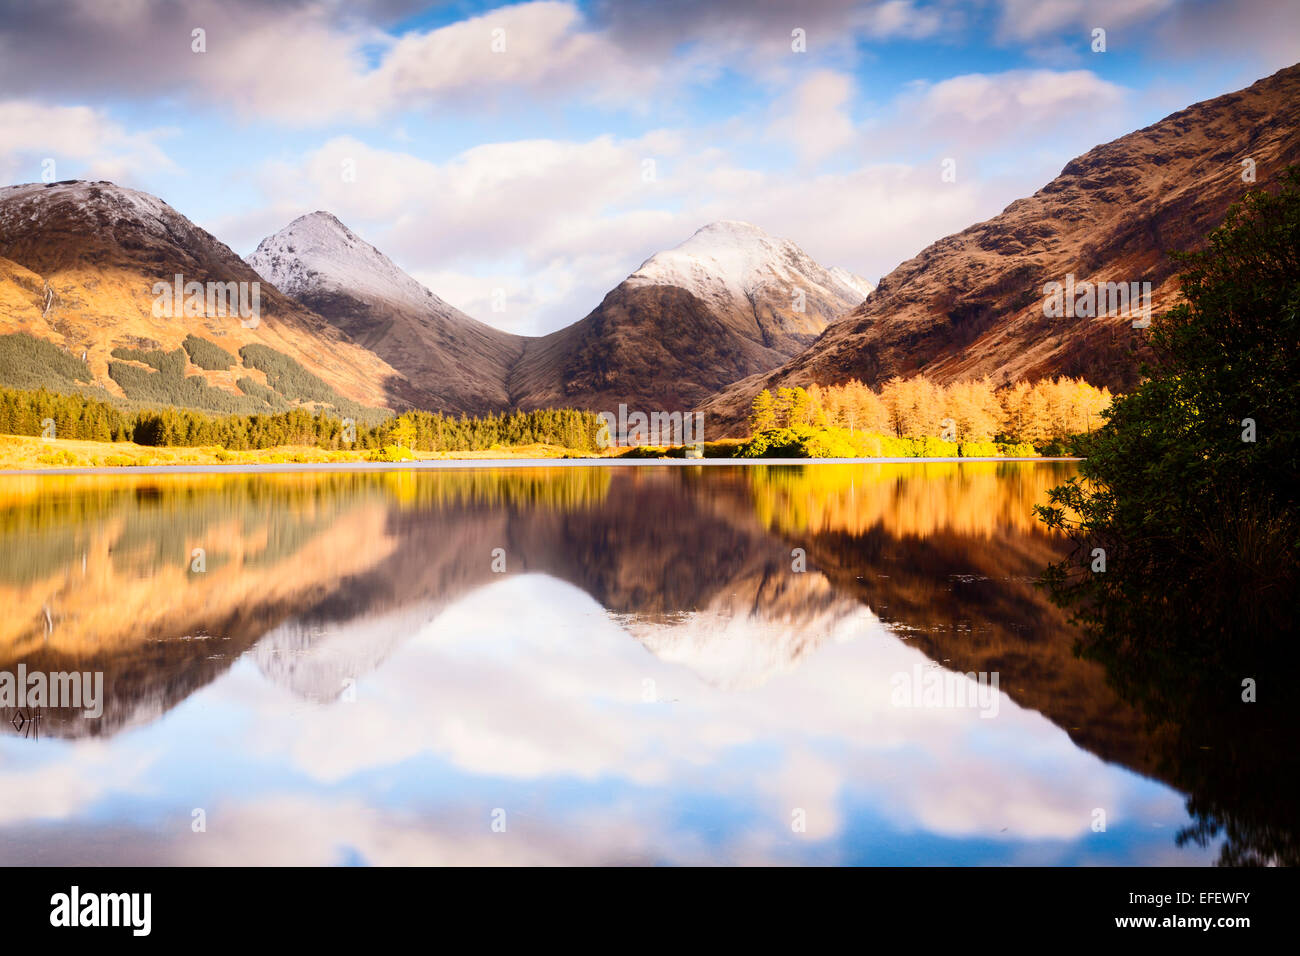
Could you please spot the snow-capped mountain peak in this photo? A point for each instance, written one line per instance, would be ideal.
(317, 253)
(459, 362)
(730, 259)
(94, 202)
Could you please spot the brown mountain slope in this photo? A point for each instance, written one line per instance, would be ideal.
(972, 304)
(462, 364)
(652, 347)
(78, 262)
(22, 295)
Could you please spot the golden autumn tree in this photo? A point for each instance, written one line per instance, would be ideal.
(762, 412)
(864, 409)
(970, 410)
(817, 415)
(914, 406)
(800, 407)
(974, 409)
(784, 401)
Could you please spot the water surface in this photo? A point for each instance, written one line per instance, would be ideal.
(566, 665)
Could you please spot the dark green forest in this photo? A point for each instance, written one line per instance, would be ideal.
(29, 362)
(81, 417)
(207, 355)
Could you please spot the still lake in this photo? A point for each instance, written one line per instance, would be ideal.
(736, 664)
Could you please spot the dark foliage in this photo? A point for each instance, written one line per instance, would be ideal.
(1190, 487)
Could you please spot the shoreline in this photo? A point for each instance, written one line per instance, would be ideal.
(460, 463)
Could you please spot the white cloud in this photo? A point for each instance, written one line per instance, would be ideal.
(302, 68)
(297, 68)
(980, 109)
(1031, 19)
(900, 18)
(540, 47)
(814, 118)
(557, 223)
(315, 63)
(83, 142)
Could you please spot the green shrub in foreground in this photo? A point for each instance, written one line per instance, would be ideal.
(390, 453)
(804, 441)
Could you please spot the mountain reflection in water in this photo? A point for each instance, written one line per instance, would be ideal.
(351, 678)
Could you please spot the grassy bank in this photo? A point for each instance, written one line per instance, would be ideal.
(806, 441)
(25, 452)
(22, 452)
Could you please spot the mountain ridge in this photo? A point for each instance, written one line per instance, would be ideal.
(459, 363)
(705, 324)
(971, 304)
(676, 330)
(99, 251)
(724, 289)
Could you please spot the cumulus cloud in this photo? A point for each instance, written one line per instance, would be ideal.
(814, 118)
(1030, 19)
(980, 108)
(542, 47)
(554, 224)
(307, 63)
(313, 63)
(82, 143)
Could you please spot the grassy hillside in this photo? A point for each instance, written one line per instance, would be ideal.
(181, 378)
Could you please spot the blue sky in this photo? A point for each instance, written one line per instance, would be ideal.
(548, 148)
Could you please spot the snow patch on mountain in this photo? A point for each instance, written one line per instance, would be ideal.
(316, 660)
(729, 647)
(852, 280)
